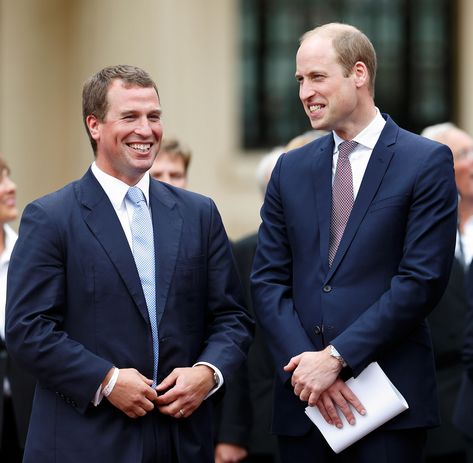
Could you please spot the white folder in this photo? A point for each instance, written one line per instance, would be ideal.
(381, 400)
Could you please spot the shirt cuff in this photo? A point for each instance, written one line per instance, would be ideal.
(220, 378)
(107, 390)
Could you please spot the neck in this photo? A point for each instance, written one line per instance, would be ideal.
(363, 115)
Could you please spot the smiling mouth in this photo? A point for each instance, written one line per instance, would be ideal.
(140, 147)
(316, 107)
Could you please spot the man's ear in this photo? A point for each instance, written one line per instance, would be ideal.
(361, 74)
(93, 125)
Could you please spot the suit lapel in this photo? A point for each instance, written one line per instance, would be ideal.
(167, 226)
(375, 170)
(322, 181)
(102, 220)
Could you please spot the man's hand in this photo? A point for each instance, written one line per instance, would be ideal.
(313, 373)
(339, 394)
(132, 394)
(229, 453)
(188, 388)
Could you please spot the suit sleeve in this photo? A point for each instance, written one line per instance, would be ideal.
(423, 271)
(35, 312)
(230, 327)
(272, 282)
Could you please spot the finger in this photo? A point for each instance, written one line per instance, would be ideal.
(304, 395)
(292, 363)
(320, 405)
(313, 398)
(135, 412)
(353, 400)
(148, 406)
(148, 381)
(168, 397)
(344, 407)
(332, 411)
(167, 382)
(298, 389)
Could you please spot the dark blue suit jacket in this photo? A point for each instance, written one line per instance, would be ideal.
(75, 308)
(390, 270)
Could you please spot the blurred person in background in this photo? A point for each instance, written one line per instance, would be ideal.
(172, 163)
(16, 386)
(447, 321)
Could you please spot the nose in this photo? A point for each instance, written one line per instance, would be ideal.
(306, 91)
(143, 128)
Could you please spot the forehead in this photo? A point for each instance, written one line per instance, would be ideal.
(121, 94)
(316, 50)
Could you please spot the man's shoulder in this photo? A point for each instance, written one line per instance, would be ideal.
(405, 136)
(57, 198)
(170, 195)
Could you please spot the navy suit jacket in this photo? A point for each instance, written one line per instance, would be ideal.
(389, 272)
(75, 308)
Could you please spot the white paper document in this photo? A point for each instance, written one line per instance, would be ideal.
(381, 400)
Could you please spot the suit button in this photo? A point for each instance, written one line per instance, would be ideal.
(317, 330)
(327, 288)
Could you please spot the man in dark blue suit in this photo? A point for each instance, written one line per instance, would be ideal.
(354, 251)
(118, 381)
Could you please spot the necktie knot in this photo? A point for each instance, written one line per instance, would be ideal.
(135, 195)
(345, 148)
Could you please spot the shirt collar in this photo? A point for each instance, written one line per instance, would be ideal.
(115, 189)
(368, 136)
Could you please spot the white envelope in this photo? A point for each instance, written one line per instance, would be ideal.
(381, 399)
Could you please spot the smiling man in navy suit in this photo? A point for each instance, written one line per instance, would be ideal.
(125, 357)
(354, 250)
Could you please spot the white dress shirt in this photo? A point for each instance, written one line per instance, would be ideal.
(360, 156)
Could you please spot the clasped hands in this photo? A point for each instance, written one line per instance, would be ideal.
(185, 389)
(315, 379)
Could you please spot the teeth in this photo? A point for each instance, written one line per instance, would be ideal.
(140, 146)
(315, 107)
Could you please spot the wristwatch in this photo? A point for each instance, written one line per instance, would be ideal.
(335, 354)
(216, 379)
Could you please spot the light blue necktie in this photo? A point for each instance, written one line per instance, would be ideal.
(143, 252)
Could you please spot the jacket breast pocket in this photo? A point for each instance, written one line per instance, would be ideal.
(389, 202)
(189, 275)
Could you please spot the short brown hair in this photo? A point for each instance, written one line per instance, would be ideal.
(176, 149)
(351, 45)
(94, 93)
